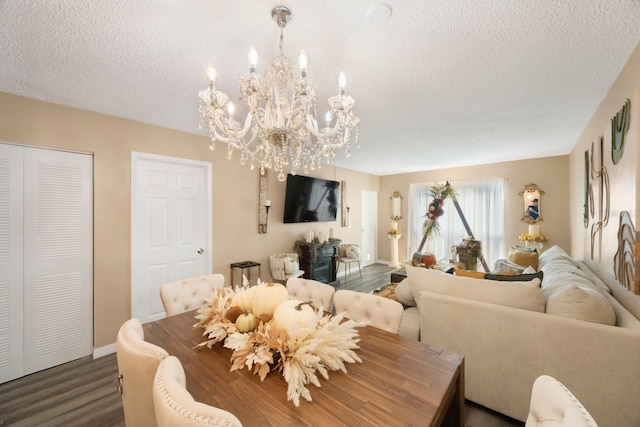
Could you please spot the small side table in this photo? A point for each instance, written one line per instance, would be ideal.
(244, 265)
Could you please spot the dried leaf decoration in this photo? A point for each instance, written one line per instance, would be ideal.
(302, 359)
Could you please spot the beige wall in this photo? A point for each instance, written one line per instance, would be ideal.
(550, 174)
(623, 176)
(235, 195)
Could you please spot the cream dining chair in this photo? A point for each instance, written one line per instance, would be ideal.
(174, 405)
(381, 312)
(349, 253)
(285, 266)
(189, 294)
(553, 405)
(137, 364)
(320, 294)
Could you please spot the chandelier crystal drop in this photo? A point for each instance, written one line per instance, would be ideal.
(280, 130)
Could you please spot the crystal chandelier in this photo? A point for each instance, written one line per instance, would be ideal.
(280, 129)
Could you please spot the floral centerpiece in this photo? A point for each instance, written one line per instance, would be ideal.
(269, 332)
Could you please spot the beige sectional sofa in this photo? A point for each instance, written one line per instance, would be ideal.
(570, 328)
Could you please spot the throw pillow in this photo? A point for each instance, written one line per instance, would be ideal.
(515, 278)
(470, 273)
(288, 265)
(353, 251)
(503, 265)
(523, 258)
(581, 303)
(404, 295)
(527, 295)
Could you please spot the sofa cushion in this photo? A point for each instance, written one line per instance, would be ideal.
(523, 257)
(578, 302)
(524, 295)
(404, 295)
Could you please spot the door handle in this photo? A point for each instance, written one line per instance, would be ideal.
(200, 251)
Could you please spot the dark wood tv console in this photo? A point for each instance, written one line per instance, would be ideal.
(319, 260)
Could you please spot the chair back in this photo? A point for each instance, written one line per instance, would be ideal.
(137, 364)
(349, 252)
(189, 294)
(381, 312)
(284, 266)
(552, 404)
(174, 405)
(320, 294)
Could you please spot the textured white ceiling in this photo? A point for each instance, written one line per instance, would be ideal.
(442, 83)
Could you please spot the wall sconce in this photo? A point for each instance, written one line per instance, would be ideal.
(348, 219)
(263, 225)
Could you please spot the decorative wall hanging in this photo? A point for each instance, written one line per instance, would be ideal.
(396, 206)
(624, 259)
(619, 127)
(587, 190)
(604, 197)
(264, 204)
(343, 201)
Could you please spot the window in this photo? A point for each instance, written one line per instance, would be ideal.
(481, 202)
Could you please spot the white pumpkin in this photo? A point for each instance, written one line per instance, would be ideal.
(266, 297)
(298, 318)
(246, 322)
(243, 299)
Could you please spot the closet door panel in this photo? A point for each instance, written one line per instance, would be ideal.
(58, 273)
(11, 263)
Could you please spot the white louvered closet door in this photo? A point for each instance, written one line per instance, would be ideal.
(11, 255)
(58, 257)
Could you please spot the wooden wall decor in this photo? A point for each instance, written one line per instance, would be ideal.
(343, 202)
(624, 260)
(619, 128)
(600, 175)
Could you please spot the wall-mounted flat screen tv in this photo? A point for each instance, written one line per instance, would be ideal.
(310, 199)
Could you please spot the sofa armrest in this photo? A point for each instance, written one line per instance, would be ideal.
(506, 349)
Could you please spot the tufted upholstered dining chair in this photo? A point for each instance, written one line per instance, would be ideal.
(349, 253)
(174, 405)
(137, 364)
(320, 294)
(552, 404)
(285, 266)
(382, 312)
(189, 294)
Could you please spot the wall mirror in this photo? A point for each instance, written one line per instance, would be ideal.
(532, 204)
(396, 206)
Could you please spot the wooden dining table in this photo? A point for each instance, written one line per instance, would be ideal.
(400, 382)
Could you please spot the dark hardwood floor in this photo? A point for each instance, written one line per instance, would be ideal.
(83, 392)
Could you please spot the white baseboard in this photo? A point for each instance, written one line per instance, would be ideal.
(104, 351)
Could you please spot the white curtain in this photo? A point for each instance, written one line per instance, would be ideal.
(481, 202)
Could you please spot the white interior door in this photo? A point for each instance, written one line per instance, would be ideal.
(58, 257)
(11, 262)
(369, 227)
(170, 230)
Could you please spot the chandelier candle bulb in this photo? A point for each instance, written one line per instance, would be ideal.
(211, 74)
(253, 59)
(342, 82)
(303, 61)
